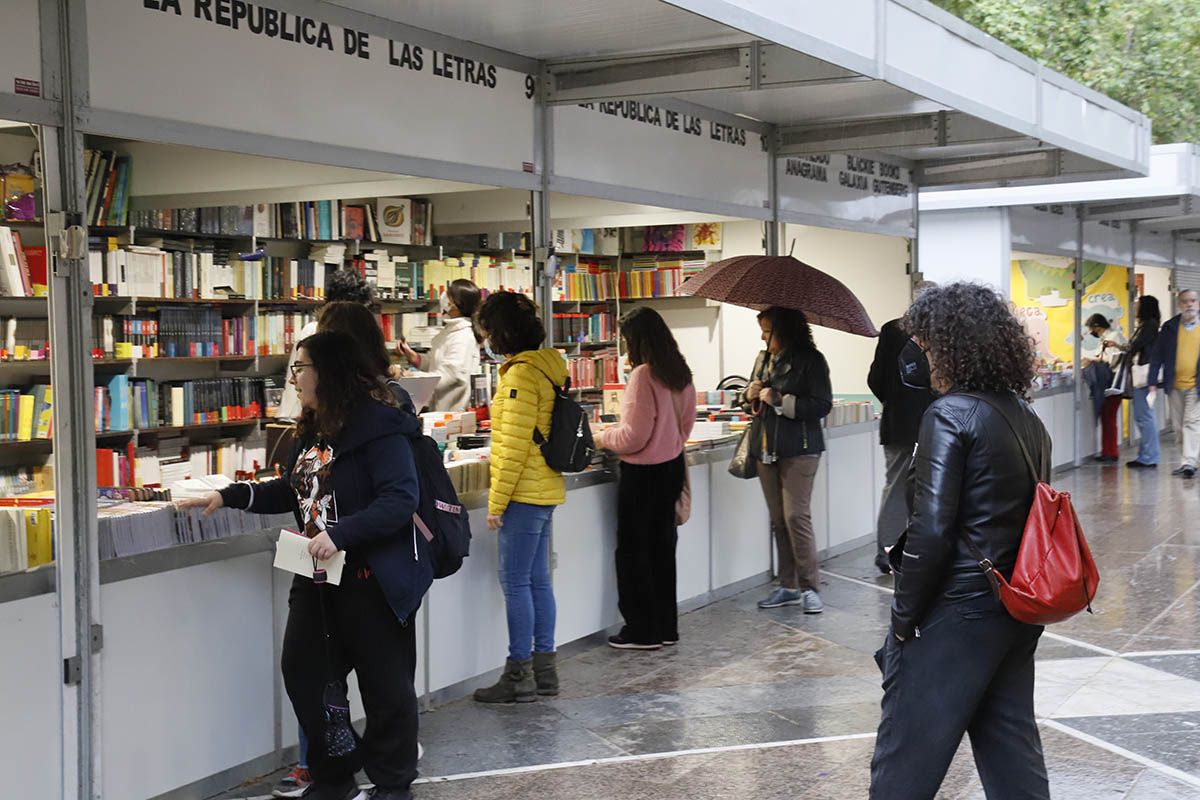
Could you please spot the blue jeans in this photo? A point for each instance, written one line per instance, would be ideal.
(1143, 414)
(525, 579)
(303, 762)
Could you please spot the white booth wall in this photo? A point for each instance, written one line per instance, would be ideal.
(1157, 282)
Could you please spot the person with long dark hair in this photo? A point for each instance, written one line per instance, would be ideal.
(1141, 351)
(344, 285)
(356, 320)
(657, 416)
(523, 494)
(1101, 349)
(789, 396)
(352, 485)
(454, 352)
(954, 660)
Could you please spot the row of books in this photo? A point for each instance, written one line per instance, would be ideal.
(22, 268)
(176, 459)
(107, 176)
(594, 370)
(396, 326)
(389, 219)
(125, 403)
(584, 327)
(397, 278)
(129, 528)
(647, 278)
(206, 274)
(26, 538)
(25, 479)
(172, 333)
(26, 415)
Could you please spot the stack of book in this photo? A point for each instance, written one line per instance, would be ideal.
(107, 182)
(594, 370)
(587, 281)
(26, 534)
(22, 269)
(584, 327)
(26, 414)
(275, 332)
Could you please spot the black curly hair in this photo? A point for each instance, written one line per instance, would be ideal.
(346, 284)
(973, 339)
(511, 322)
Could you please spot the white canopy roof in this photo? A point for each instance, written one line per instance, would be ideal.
(896, 77)
(1165, 201)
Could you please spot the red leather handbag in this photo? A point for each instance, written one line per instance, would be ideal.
(1055, 576)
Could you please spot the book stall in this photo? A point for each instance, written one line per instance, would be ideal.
(166, 235)
(1124, 238)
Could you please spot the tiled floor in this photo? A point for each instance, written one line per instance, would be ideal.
(776, 704)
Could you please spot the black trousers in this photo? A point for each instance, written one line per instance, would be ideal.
(970, 671)
(646, 536)
(364, 636)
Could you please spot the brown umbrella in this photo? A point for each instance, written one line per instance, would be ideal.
(760, 282)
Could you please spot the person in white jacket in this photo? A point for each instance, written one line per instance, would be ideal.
(454, 353)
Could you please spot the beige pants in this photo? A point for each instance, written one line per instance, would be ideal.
(787, 485)
(1185, 418)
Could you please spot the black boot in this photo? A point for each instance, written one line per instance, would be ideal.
(516, 685)
(545, 673)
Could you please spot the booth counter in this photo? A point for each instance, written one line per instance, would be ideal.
(192, 634)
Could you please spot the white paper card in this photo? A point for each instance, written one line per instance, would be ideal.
(291, 554)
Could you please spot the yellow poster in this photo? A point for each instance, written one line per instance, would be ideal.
(1045, 303)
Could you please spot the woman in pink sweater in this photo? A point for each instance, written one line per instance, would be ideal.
(657, 417)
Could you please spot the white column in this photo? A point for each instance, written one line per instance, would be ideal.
(967, 245)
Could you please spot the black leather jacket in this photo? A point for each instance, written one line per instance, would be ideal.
(967, 479)
(800, 378)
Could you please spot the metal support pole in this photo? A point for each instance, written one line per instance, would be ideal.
(1132, 287)
(543, 138)
(914, 251)
(772, 228)
(1077, 285)
(70, 310)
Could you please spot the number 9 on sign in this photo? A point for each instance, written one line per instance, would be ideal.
(530, 86)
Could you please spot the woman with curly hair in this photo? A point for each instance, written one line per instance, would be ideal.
(954, 661)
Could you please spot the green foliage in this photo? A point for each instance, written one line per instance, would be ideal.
(1142, 53)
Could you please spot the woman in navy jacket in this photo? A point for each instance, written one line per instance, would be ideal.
(352, 486)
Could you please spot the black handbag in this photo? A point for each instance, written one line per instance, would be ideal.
(744, 464)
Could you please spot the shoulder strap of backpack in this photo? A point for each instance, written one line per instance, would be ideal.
(538, 437)
(1033, 470)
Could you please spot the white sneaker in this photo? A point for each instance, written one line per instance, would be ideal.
(811, 602)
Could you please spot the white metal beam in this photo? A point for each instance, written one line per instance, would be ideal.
(749, 67)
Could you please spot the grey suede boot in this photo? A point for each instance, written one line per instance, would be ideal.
(545, 673)
(516, 685)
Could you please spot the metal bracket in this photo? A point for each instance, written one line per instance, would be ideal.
(73, 666)
(72, 671)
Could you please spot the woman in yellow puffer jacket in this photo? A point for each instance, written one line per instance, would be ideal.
(523, 494)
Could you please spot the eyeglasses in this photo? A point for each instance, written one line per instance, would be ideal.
(298, 367)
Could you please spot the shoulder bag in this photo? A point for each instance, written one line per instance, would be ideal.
(1055, 576)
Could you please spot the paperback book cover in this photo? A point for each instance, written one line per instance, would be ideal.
(394, 216)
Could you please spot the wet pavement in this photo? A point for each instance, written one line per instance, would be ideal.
(777, 704)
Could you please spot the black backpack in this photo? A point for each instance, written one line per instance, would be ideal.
(440, 517)
(569, 447)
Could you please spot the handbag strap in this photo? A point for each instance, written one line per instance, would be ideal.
(1033, 470)
(985, 563)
